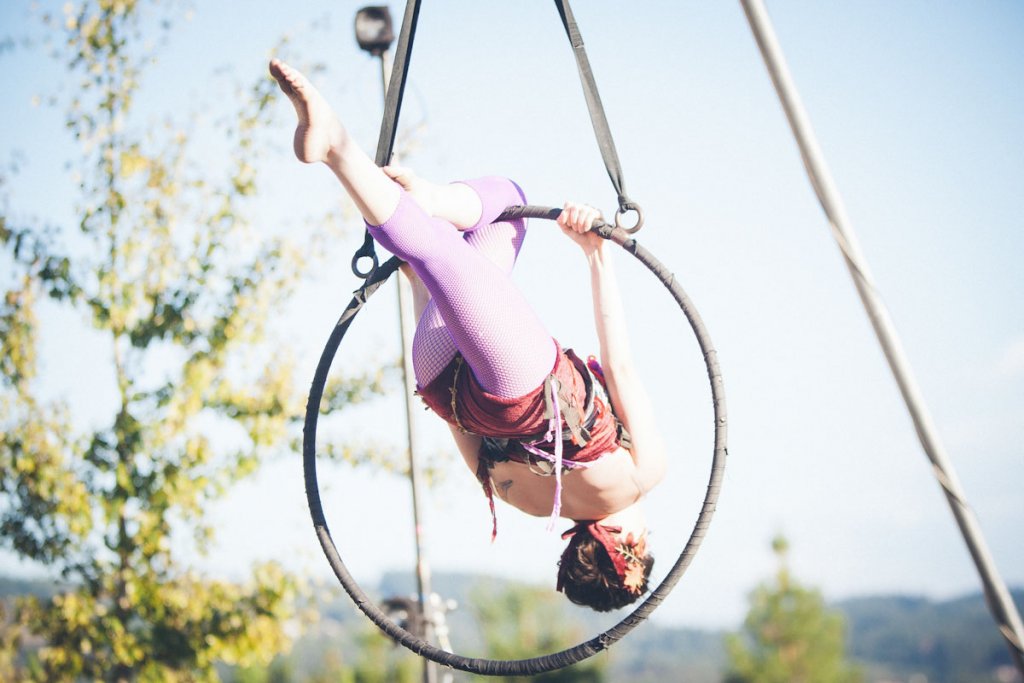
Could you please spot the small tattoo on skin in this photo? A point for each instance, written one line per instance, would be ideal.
(505, 486)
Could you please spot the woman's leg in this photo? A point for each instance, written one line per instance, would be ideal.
(433, 346)
(490, 322)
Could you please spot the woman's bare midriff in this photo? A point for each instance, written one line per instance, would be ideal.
(606, 487)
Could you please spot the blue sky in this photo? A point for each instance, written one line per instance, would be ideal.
(918, 109)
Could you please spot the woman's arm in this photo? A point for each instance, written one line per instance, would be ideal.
(632, 404)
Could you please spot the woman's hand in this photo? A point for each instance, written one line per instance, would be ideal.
(576, 220)
(422, 191)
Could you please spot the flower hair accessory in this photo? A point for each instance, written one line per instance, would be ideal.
(626, 556)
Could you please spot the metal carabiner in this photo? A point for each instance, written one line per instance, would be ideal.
(623, 210)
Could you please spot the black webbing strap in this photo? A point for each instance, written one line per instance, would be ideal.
(389, 123)
(396, 86)
(597, 117)
(603, 133)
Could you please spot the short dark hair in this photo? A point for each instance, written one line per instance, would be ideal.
(587, 575)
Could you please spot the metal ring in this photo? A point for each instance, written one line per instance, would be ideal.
(374, 263)
(639, 218)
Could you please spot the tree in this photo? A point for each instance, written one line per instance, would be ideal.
(788, 635)
(524, 621)
(379, 660)
(165, 264)
(364, 655)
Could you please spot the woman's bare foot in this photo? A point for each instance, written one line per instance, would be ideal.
(321, 137)
(319, 132)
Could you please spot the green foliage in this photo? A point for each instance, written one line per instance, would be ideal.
(379, 661)
(789, 636)
(952, 641)
(376, 660)
(10, 645)
(524, 621)
(166, 266)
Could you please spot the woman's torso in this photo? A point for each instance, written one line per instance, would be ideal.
(608, 485)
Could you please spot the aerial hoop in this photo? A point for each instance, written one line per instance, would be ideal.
(600, 642)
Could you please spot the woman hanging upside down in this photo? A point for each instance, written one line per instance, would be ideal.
(534, 422)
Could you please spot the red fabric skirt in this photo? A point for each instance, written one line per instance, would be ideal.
(459, 399)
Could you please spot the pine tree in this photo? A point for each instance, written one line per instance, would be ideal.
(789, 636)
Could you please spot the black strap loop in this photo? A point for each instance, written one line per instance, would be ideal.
(602, 130)
(396, 86)
(389, 122)
(365, 251)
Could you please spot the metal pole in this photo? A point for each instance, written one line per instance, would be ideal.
(408, 326)
(998, 597)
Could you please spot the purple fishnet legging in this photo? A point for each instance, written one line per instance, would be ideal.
(475, 309)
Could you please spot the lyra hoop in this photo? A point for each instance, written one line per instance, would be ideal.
(602, 641)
